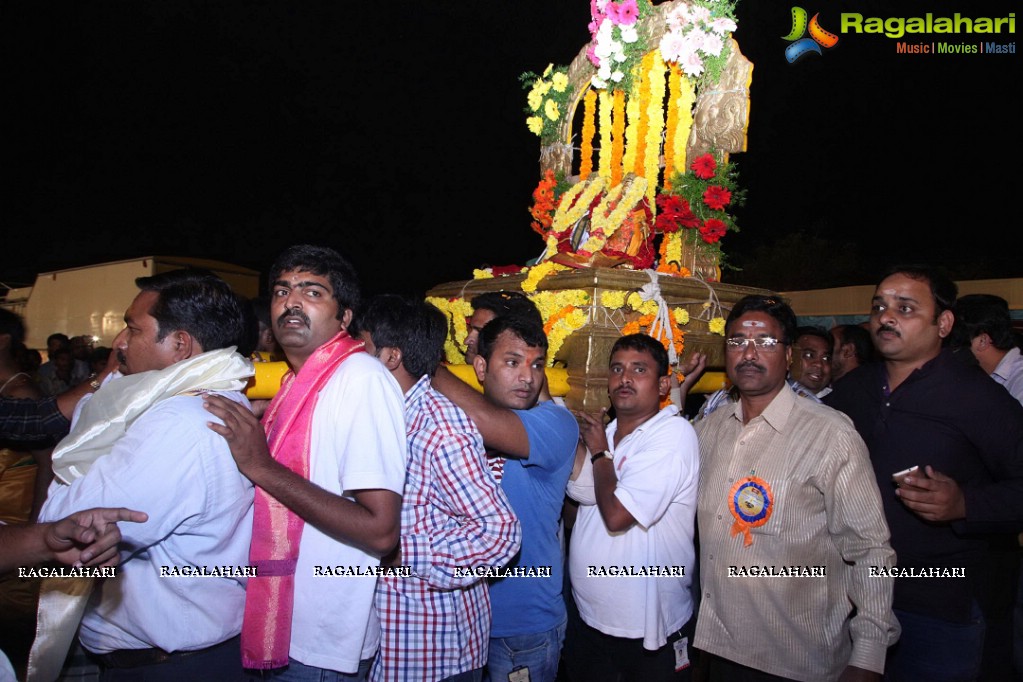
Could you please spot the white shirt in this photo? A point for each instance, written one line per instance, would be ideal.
(170, 465)
(358, 443)
(1009, 373)
(658, 469)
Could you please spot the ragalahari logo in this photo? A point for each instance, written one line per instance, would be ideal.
(801, 45)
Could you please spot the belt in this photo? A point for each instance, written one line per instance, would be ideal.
(134, 658)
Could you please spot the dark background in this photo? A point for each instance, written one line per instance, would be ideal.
(395, 132)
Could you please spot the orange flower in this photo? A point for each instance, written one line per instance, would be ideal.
(617, 137)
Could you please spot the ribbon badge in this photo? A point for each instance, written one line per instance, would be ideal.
(752, 502)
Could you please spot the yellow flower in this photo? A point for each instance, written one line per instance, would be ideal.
(559, 81)
(681, 316)
(551, 109)
(543, 87)
(612, 299)
(538, 272)
(485, 273)
(534, 99)
(535, 124)
(717, 326)
(547, 71)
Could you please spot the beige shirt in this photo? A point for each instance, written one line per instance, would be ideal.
(825, 525)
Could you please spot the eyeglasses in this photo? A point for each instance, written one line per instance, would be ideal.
(738, 344)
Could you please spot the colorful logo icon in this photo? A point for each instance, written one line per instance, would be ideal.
(802, 46)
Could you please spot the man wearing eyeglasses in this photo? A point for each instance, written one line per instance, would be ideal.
(793, 541)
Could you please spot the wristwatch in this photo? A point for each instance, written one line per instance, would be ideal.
(602, 453)
(94, 383)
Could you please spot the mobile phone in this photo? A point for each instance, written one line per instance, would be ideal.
(900, 476)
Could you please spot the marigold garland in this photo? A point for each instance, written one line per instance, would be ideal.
(457, 311)
(605, 110)
(538, 272)
(575, 203)
(655, 125)
(641, 109)
(617, 136)
(632, 123)
(602, 223)
(482, 273)
(684, 124)
(717, 326)
(612, 299)
(586, 148)
(674, 86)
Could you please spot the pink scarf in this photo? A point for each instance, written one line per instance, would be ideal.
(276, 530)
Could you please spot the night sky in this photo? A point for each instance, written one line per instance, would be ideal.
(395, 132)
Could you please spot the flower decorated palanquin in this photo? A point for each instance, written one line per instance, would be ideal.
(654, 104)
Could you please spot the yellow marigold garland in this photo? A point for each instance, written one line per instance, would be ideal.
(717, 325)
(681, 316)
(586, 150)
(642, 111)
(655, 125)
(637, 303)
(602, 223)
(686, 99)
(538, 272)
(633, 121)
(604, 160)
(456, 310)
(612, 299)
(671, 256)
(575, 202)
(484, 273)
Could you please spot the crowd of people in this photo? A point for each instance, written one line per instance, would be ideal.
(848, 508)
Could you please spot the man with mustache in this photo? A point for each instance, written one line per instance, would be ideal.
(141, 442)
(791, 528)
(329, 482)
(636, 484)
(921, 407)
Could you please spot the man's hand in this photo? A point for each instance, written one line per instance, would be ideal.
(853, 674)
(692, 369)
(934, 497)
(89, 537)
(242, 431)
(591, 430)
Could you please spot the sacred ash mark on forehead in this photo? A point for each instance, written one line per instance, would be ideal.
(753, 323)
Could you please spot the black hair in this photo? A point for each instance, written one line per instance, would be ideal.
(57, 336)
(196, 301)
(250, 336)
(11, 323)
(416, 328)
(770, 305)
(530, 331)
(260, 306)
(641, 343)
(820, 332)
(504, 303)
(325, 262)
(978, 314)
(943, 289)
(859, 337)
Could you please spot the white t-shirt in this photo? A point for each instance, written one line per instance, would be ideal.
(658, 469)
(358, 443)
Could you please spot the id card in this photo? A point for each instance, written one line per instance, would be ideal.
(681, 654)
(519, 675)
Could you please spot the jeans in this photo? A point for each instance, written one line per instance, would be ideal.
(936, 650)
(300, 672)
(538, 653)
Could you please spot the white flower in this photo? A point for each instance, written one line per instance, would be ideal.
(629, 34)
(604, 72)
(598, 83)
(603, 50)
(722, 25)
(698, 14)
(619, 52)
(617, 77)
(691, 64)
(712, 44)
(672, 46)
(694, 41)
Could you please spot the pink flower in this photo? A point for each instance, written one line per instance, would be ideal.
(628, 12)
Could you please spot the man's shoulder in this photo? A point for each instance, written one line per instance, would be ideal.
(666, 423)
(357, 370)
(185, 410)
(431, 409)
(549, 414)
(820, 415)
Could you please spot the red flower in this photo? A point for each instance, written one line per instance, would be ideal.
(704, 166)
(713, 230)
(717, 197)
(674, 213)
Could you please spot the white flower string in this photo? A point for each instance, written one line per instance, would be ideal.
(662, 322)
